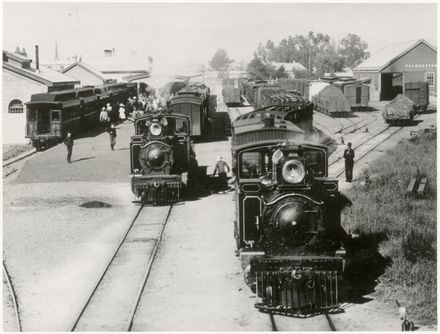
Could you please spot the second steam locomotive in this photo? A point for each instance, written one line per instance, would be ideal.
(287, 227)
(160, 152)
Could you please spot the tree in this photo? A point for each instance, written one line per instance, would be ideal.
(259, 69)
(220, 61)
(281, 72)
(353, 50)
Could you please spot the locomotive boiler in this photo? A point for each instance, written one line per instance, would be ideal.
(287, 228)
(160, 152)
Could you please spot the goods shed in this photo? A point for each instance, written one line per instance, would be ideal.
(390, 68)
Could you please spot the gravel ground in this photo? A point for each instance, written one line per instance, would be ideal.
(53, 248)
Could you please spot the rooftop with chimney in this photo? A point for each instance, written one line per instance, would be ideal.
(22, 66)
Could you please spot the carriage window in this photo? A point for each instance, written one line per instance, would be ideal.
(55, 115)
(32, 115)
(250, 165)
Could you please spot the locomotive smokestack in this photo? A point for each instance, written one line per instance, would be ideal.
(37, 59)
(268, 121)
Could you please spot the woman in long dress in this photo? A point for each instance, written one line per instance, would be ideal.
(121, 112)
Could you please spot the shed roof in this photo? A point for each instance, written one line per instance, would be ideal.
(390, 53)
(87, 68)
(290, 66)
(119, 64)
(45, 75)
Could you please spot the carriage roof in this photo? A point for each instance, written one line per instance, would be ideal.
(193, 98)
(250, 129)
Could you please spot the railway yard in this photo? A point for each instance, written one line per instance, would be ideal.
(80, 256)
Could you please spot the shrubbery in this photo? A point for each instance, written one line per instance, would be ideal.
(408, 223)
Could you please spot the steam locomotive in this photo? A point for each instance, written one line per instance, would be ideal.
(160, 152)
(287, 229)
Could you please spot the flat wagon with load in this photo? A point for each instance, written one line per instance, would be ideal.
(331, 101)
(399, 111)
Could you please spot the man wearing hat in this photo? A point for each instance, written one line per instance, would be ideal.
(112, 133)
(68, 141)
(349, 163)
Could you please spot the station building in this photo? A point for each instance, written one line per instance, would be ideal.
(106, 69)
(20, 81)
(396, 64)
(86, 74)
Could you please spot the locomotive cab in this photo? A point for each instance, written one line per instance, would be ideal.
(160, 152)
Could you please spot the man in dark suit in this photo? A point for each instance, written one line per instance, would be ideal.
(112, 133)
(68, 141)
(349, 163)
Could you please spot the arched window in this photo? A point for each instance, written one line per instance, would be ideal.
(15, 107)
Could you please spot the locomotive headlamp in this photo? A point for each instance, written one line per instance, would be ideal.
(155, 129)
(293, 171)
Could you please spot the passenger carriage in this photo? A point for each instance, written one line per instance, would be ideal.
(287, 226)
(50, 115)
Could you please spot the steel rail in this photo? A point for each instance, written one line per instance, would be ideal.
(373, 147)
(19, 158)
(14, 297)
(330, 322)
(272, 322)
(149, 266)
(101, 277)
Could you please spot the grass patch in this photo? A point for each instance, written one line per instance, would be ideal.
(409, 224)
(13, 150)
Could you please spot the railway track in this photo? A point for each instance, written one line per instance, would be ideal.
(352, 127)
(12, 298)
(114, 298)
(321, 323)
(366, 146)
(14, 165)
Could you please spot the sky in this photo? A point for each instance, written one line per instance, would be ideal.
(180, 33)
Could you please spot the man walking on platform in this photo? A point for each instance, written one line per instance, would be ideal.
(68, 141)
(349, 163)
(112, 133)
(221, 167)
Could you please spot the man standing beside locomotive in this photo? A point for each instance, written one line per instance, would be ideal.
(221, 166)
(112, 133)
(68, 141)
(349, 163)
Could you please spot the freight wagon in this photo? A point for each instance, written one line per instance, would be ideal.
(357, 93)
(418, 92)
(297, 85)
(231, 95)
